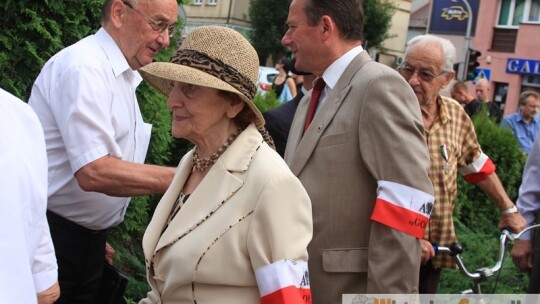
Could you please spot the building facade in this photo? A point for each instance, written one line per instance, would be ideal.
(393, 48)
(508, 35)
(230, 13)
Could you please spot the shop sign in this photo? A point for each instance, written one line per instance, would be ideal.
(523, 66)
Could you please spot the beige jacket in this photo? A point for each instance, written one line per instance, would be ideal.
(248, 212)
(369, 129)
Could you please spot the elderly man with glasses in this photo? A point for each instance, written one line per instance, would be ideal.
(96, 138)
(453, 148)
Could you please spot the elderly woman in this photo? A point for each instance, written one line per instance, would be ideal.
(235, 223)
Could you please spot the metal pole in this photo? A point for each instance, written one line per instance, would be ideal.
(229, 14)
(466, 45)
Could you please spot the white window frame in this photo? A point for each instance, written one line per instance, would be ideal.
(526, 13)
(212, 2)
(197, 2)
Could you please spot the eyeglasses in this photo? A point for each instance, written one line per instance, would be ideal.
(407, 72)
(158, 26)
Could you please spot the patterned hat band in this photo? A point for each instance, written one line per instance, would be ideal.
(216, 68)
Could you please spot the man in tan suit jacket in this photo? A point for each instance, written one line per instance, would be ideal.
(363, 159)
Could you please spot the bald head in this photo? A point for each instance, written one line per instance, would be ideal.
(482, 90)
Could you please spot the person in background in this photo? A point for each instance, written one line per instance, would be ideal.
(298, 80)
(526, 251)
(235, 223)
(461, 93)
(454, 148)
(366, 174)
(279, 120)
(524, 123)
(284, 85)
(29, 270)
(96, 138)
(482, 90)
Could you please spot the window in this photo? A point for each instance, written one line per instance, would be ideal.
(531, 81)
(534, 13)
(513, 12)
(212, 2)
(501, 89)
(197, 2)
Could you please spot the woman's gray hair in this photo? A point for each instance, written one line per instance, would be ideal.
(449, 50)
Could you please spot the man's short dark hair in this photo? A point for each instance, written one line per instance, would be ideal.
(347, 14)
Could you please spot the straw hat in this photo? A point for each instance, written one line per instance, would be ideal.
(211, 56)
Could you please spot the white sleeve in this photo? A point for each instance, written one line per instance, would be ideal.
(44, 267)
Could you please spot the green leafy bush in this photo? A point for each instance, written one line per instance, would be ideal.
(266, 102)
(32, 31)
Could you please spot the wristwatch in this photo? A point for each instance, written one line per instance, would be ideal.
(511, 210)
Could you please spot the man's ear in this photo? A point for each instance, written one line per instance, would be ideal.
(328, 26)
(448, 78)
(118, 13)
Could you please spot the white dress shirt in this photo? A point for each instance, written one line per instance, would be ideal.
(85, 99)
(27, 260)
(332, 74)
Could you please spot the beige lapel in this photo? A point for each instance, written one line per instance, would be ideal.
(222, 181)
(297, 127)
(163, 209)
(301, 147)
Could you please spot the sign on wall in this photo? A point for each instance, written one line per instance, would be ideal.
(523, 66)
(482, 73)
(450, 17)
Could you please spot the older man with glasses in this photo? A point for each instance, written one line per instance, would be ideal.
(453, 148)
(96, 138)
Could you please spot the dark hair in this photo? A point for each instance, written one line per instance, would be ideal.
(286, 64)
(347, 14)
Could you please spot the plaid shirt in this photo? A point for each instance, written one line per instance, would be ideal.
(453, 149)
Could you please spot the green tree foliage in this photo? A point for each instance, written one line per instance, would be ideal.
(476, 217)
(33, 31)
(378, 20)
(268, 22)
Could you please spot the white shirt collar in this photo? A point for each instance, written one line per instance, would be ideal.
(332, 74)
(117, 59)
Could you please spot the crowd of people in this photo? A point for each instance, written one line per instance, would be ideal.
(320, 197)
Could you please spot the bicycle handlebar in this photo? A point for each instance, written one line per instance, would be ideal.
(456, 249)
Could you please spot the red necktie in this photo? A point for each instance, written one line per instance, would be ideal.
(315, 96)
